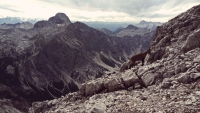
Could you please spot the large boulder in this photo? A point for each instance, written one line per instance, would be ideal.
(129, 78)
(190, 43)
(150, 78)
(114, 84)
(125, 66)
(92, 87)
(188, 77)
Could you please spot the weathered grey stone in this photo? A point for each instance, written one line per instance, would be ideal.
(177, 70)
(169, 74)
(165, 84)
(113, 84)
(82, 89)
(190, 43)
(184, 78)
(198, 68)
(129, 79)
(125, 66)
(183, 68)
(98, 108)
(150, 78)
(89, 88)
(142, 70)
(99, 86)
(197, 59)
(137, 86)
(194, 76)
(187, 78)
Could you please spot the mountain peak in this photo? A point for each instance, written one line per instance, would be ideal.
(143, 22)
(149, 25)
(131, 27)
(61, 15)
(60, 18)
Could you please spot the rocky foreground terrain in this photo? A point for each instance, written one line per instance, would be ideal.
(167, 83)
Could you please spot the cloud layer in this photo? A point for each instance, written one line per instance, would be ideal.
(101, 10)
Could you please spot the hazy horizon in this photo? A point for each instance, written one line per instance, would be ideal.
(129, 11)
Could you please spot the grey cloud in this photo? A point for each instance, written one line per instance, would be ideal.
(127, 6)
(161, 15)
(137, 8)
(10, 8)
(82, 17)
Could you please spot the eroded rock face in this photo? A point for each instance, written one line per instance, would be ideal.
(178, 34)
(111, 83)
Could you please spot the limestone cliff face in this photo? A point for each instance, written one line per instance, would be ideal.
(168, 82)
(178, 35)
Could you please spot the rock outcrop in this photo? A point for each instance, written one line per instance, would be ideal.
(111, 83)
(170, 75)
(60, 18)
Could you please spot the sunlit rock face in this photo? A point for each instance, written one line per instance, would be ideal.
(167, 82)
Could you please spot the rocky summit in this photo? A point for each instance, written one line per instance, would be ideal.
(168, 82)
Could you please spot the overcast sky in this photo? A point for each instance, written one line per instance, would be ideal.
(97, 10)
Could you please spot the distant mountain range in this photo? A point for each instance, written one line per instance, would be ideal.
(23, 25)
(149, 25)
(14, 20)
(111, 26)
